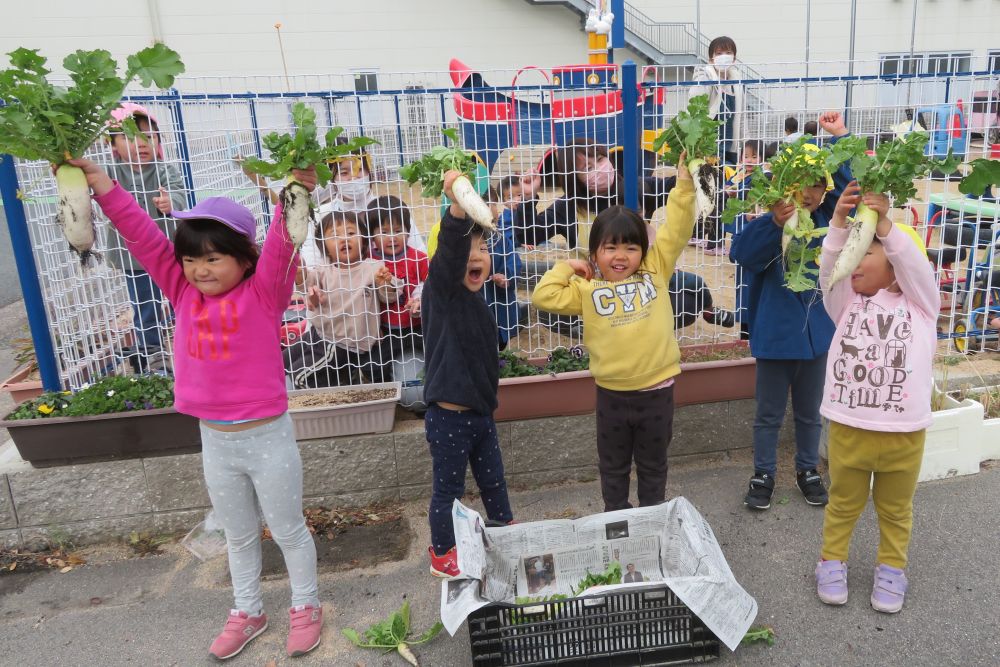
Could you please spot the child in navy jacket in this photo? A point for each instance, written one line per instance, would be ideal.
(790, 333)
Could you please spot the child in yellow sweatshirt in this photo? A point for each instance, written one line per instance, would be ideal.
(628, 331)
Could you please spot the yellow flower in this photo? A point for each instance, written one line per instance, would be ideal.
(45, 409)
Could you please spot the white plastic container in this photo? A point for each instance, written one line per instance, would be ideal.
(330, 421)
(953, 445)
(989, 441)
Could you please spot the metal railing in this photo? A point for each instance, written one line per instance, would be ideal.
(85, 316)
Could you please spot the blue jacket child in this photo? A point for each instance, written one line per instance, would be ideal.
(790, 334)
(501, 296)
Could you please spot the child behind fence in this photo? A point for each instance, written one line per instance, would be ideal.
(229, 297)
(387, 221)
(159, 189)
(345, 295)
(501, 290)
(886, 313)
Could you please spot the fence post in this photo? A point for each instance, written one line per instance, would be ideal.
(630, 128)
(185, 153)
(255, 127)
(618, 25)
(27, 273)
(399, 129)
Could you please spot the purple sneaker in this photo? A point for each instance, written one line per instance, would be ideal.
(831, 581)
(889, 590)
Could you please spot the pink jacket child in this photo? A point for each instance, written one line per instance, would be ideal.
(879, 368)
(228, 297)
(233, 335)
(877, 395)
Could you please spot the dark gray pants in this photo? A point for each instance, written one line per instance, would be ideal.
(775, 378)
(633, 426)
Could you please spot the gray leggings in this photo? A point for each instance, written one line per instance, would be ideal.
(262, 462)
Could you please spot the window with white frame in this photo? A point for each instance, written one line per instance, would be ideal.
(903, 64)
(993, 61)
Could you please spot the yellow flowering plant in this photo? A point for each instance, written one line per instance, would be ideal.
(106, 396)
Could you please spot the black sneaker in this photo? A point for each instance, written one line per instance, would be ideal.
(724, 318)
(761, 488)
(811, 485)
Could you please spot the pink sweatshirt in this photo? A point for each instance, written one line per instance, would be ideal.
(878, 373)
(227, 354)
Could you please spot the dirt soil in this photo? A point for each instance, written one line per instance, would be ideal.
(339, 397)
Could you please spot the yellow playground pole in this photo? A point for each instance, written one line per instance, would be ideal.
(597, 52)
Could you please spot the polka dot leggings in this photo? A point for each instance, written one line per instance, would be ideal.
(458, 440)
(260, 464)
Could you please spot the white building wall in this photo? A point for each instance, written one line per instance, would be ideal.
(768, 31)
(237, 37)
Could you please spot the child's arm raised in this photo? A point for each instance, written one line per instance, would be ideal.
(454, 241)
(142, 236)
(673, 235)
(557, 292)
(278, 265)
(914, 273)
(837, 298)
(833, 122)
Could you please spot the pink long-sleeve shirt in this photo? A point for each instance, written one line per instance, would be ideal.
(227, 351)
(878, 373)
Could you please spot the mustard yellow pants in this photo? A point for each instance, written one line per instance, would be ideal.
(894, 460)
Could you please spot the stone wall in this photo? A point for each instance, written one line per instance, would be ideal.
(95, 502)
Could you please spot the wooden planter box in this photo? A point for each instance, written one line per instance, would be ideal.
(21, 389)
(65, 440)
(534, 396)
(575, 393)
(331, 421)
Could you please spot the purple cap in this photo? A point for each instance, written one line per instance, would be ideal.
(235, 216)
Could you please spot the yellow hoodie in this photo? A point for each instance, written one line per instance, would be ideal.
(628, 325)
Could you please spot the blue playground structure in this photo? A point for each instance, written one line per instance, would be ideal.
(577, 101)
(947, 125)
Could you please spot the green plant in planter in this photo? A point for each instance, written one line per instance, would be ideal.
(562, 360)
(513, 366)
(106, 396)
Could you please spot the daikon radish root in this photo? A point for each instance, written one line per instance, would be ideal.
(42, 121)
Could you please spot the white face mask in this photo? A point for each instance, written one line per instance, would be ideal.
(355, 191)
(723, 61)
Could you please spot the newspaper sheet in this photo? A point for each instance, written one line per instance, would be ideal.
(560, 570)
(669, 543)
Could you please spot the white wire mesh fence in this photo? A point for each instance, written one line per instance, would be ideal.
(521, 131)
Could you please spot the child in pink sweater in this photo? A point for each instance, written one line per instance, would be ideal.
(229, 298)
(877, 395)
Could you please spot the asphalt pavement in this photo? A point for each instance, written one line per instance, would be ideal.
(165, 610)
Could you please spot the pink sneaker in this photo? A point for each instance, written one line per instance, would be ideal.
(716, 251)
(305, 623)
(240, 629)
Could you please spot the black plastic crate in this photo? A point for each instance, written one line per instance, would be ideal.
(621, 629)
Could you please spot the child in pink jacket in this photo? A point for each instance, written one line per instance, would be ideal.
(877, 395)
(229, 297)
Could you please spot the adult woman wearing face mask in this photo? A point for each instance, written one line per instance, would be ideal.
(350, 190)
(591, 178)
